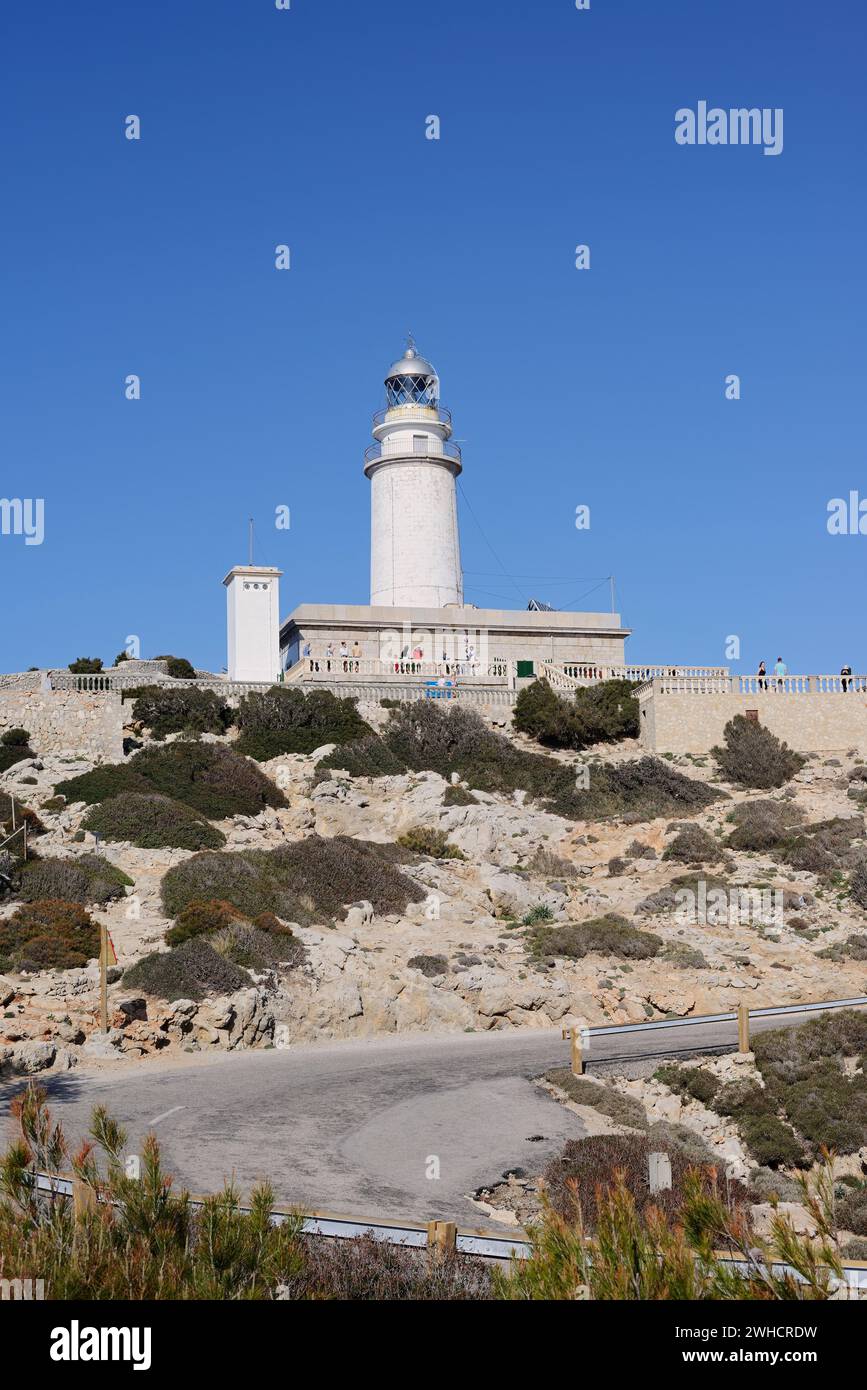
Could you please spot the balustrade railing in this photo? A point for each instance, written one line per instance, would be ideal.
(760, 685)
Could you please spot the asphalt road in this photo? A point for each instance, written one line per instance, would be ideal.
(399, 1127)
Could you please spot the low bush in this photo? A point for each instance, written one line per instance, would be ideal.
(286, 720)
(601, 713)
(48, 934)
(754, 757)
(771, 1142)
(422, 737)
(546, 864)
(458, 796)
(742, 1098)
(190, 971)
(12, 754)
(610, 935)
(695, 1083)
(853, 948)
(586, 1164)
(15, 738)
(211, 778)
(178, 667)
(152, 822)
(429, 965)
(684, 957)
(693, 845)
(763, 825)
(607, 1100)
(86, 665)
(425, 839)
(858, 883)
(310, 880)
(852, 1214)
(540, 913)
(248, 946)
(200, 917)
(88, 878)
(182, 709)
(13, 810)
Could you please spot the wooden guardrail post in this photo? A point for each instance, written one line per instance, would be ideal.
(442, 1235)
(743, 1027)
(577, 1061)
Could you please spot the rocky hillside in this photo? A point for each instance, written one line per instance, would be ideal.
(480, 908)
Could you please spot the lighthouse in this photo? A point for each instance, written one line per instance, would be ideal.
(415, 557)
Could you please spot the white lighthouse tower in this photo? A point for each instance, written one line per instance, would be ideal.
(415, 557)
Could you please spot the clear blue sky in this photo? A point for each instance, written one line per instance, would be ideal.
(602, 387)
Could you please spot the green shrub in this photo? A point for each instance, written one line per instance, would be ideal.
(367, 757)
(622, 1109)
(15, 738)
(152, 822)
(540, 913)
(458, 796)
(742, 1098)
(304, 882)
(586, 1164)
(429, 965)
(178, 667)
(48, 934)
(253, 949)
(754, 757)
(88, 878)
(771, 1142)
(422, 737)
(86, 665)
(209, 777)
(858, 883)
(286, 720)
(693, 845)
(763, 825)
(201, 917)
(684, 957)
(181, 709)
(852, 1214)
(853, 948)
(697, 1083)
(12, 754)
(595, 714)
(546, 864)
(610, 935)
(425, 839)
(190, 971)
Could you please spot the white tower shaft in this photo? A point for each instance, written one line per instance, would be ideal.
(415, 559)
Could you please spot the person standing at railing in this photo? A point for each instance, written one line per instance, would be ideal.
(356, 655)
(781, 670)
(329, 655)
(762, 676)
(845, 676)
(344, 654)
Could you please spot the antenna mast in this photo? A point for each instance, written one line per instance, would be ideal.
(251, 541)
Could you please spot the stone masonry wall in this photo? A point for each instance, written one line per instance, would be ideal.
(86, 725)
(816, 722)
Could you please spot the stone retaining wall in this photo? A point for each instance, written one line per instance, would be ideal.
(689, 722)
(65, 721)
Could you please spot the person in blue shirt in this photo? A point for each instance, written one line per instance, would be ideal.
(780, 670)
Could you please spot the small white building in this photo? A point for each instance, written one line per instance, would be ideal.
(253, 615)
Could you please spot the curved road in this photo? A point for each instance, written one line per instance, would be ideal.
(400, 1127)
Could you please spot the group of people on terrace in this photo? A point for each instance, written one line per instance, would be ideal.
(777, 678)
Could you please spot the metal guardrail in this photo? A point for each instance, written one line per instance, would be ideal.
(730, 1016)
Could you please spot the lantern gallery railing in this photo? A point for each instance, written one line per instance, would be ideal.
(413, 411)
(432, 448)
